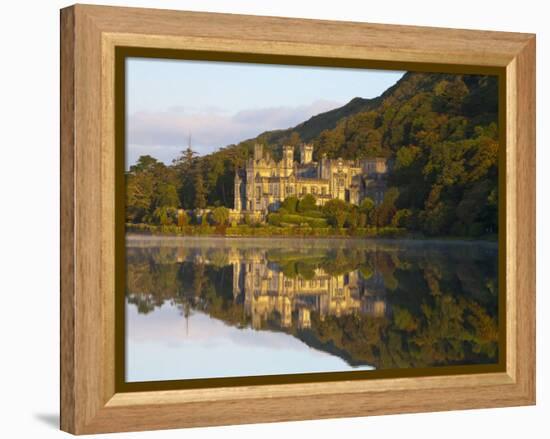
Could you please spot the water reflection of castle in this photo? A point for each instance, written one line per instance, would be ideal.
(266, 291)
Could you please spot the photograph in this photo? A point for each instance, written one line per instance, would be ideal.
(285, 219)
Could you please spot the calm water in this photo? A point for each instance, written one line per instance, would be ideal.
(216, 307)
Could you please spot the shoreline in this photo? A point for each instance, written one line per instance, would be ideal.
(136, 236)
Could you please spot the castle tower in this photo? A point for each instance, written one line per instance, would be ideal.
(288, 156)
(306, 153)
(238, 199)
(236, 279)
(258, 151)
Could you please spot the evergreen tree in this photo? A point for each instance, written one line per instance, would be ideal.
(200, 192)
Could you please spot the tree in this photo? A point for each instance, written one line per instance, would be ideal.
(363, 220)
(336, 212)
(183, 218)
(307, 203)
(385, 212)
(165, 216)
(332, 207)
(139, 196)
(366, 205)
(200, 192)
(185, 159)
(166, 196)
(290, 204)
(402, 218)
(220, 216)
(339, 218)
(145, 163)
(353, 219)
(294, 139)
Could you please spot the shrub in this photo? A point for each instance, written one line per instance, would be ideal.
(402, 218)
(165, 216)
(290, 204)
(183, 218)
(220, 216)
(289, 220)
(308, 202)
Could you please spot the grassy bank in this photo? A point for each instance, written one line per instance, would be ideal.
(267, 231)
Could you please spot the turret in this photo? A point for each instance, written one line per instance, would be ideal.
(288, 156)
(306, 153)
(237, 204)
(258, 151)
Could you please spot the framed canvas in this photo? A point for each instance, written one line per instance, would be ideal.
(268, 219)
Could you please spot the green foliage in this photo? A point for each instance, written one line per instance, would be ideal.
(220, 216)
(366, 206)
(290, 204)
(336, 211)
(339, 219)
(183, 218)
(306, 203)
(166, 196)
(402, 218)
(149, 185)
(384, 213)
(200, 192)
(352, 219)
(278, 219)
(248, 220)
(164, 216)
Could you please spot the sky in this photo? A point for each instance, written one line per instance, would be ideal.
(220, 103)
(162, 345)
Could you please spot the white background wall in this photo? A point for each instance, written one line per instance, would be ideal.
(29, 218)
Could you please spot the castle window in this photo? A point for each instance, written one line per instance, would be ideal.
(313, 190)
(323, 190)
(304, 190)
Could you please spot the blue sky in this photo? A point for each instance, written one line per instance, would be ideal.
(220, 103)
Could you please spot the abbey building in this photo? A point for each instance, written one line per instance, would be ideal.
(264, 183)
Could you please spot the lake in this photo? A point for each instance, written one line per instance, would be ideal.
(204, 307)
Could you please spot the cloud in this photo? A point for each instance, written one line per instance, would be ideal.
(163, 134)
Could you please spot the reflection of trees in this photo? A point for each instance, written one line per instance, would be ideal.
(440, 302)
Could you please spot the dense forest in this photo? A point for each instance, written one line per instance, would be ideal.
(439, 131)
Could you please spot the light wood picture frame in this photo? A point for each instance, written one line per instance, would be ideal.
(91, 398)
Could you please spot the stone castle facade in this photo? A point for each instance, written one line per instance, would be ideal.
(264, 183)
